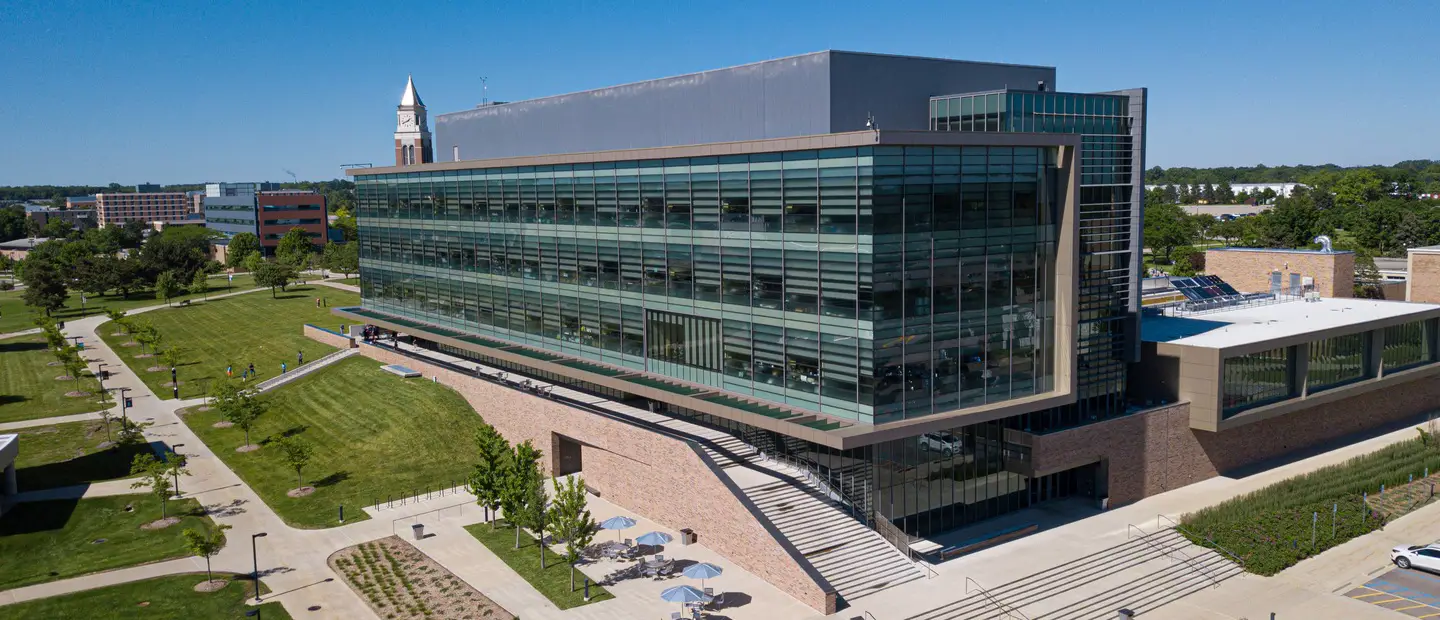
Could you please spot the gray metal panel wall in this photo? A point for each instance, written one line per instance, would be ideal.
(897, 89)
(1138, 105)
(772, 99)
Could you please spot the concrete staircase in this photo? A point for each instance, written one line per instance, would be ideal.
(279, 380)
(1142, 574)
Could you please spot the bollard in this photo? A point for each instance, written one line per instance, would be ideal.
(1314, 519)
(342, 513)
(1334, 510)
(587, 588)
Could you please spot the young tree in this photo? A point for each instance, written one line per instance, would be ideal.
(107, 416)
(132, 433)
(175, 464)
(534, 515)
(206, 544)
(296, 453)
(253, 261)
(201, 285)
(118, 317)
(74, 365)
(222, 393)
(45, 285)
(273, 275)
(154, 474)
(522, 474)
(244, 411)
(488, 475)
(166, 286)
(241, 247)
(570, 521)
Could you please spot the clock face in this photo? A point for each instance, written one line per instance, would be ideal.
(407, 122)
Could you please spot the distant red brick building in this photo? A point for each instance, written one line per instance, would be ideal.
(279, 211)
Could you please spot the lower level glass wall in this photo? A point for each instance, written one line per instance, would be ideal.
(1336, 361)
(1406, 345)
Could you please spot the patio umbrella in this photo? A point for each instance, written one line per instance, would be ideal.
(654, 539)
(702, 571)
(682, 595)
(617, 524)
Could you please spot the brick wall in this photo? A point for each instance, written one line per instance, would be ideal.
(1424, 278)
(1156, 451)
(328, 337)
(1249, 271)
(662, 478)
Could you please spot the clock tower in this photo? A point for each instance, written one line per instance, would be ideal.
(412, 132)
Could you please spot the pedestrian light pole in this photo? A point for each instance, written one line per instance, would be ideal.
(255, 557)
(124, 404)
(180, 462)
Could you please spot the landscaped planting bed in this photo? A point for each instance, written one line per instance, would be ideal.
(1272, 528)
(399, 582)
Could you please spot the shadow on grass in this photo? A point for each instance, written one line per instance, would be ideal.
(10, 399)
(17, 347)
(107, 464)
(289, 432)
(331, 480)
(32, 517)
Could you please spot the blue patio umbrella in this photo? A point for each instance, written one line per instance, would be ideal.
(654, 538)
(682, 595)
(617, 524)
(702, 571)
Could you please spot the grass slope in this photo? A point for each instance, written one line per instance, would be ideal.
(67, 454)
(553, 581)
(375, 435)
(28, 389)
(241, 330)
(46, 541)
(16, 316)
(163, 598)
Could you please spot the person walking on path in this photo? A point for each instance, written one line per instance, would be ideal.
(229, 372)
(299, 358)
(252, 369)
(282, 368)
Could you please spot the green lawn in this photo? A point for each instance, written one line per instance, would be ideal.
(240, 330)
(66, 454)
(163, 598)
(375, 435)
(350, 281)
(16, 316)
(553, 581)
(28, 389)
(46, 541)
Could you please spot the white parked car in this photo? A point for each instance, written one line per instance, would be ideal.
(942, 442)
(1417, 556)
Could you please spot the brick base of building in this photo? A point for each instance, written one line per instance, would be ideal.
(1156, 451)
(663, 478)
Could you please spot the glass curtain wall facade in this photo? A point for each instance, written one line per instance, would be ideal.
(1336, 361)
(1406, 345)
(1109, 174)
(872, 284)
(1256, 379)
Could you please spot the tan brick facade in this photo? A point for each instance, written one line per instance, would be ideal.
(1157, 451)
(1423, 284)
(329, 337)
(1249, 270)
(663, 478)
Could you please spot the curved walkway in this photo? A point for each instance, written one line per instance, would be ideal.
(79, 417)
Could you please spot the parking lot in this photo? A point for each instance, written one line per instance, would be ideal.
(1414, 593)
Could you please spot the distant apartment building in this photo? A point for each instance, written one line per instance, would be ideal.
(82, 219)
(230, 208)
(281, 210)
(196, 200)
(80, 202)
(116, 209)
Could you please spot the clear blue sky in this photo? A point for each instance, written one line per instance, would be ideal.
(95, 92)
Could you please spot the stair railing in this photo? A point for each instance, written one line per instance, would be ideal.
(1006, 611)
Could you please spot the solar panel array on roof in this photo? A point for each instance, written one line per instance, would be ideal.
(1203, 288)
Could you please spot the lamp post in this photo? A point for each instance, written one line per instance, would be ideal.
(100, 374)
(256, 558)
(124, 404)
(175, 454)
(253, 613)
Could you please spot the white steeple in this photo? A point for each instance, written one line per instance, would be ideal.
(410, 98)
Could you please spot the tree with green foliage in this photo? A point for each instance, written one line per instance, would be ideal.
(56, 228)
(106, 415)
(296, 454)
(46, 287)
(294, 248)
(570, 520)
(341, 257)
(1189, 261)
(1291, 223)
(128, 276)
(1228, 231)
(167, 286)
(274, 275)
(244, 410)
(74, 365)
(517, 494)
(173, 356)
(132, 433)
(1167, 227)
(487, 477)
(241, 247)
(1367, 277)
(206, 544)
(201, 285)
(153, 474)
(132, 235)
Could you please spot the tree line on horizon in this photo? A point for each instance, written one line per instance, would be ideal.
(1413, 175)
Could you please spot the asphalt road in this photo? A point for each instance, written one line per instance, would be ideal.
(1412, 592)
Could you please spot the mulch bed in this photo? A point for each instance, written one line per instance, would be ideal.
(160, 524)
(400, 582)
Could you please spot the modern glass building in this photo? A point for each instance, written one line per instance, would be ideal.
(895, 309)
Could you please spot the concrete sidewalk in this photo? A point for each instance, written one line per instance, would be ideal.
(79, 417)
(100, 580)
(81, 491)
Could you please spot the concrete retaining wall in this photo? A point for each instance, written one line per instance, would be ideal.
(332, 338)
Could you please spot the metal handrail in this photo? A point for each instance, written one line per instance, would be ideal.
(1214, 545)
(417, 515)
(870, 615)
(1007, 610)
(1189, 561)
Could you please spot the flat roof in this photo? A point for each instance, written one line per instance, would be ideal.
(1279, 250)
(1249, 324)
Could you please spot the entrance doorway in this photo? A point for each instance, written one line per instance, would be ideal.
(569, 456)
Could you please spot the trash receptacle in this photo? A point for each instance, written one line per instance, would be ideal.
(687, 536)
(1124, 614)
(419, 530)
